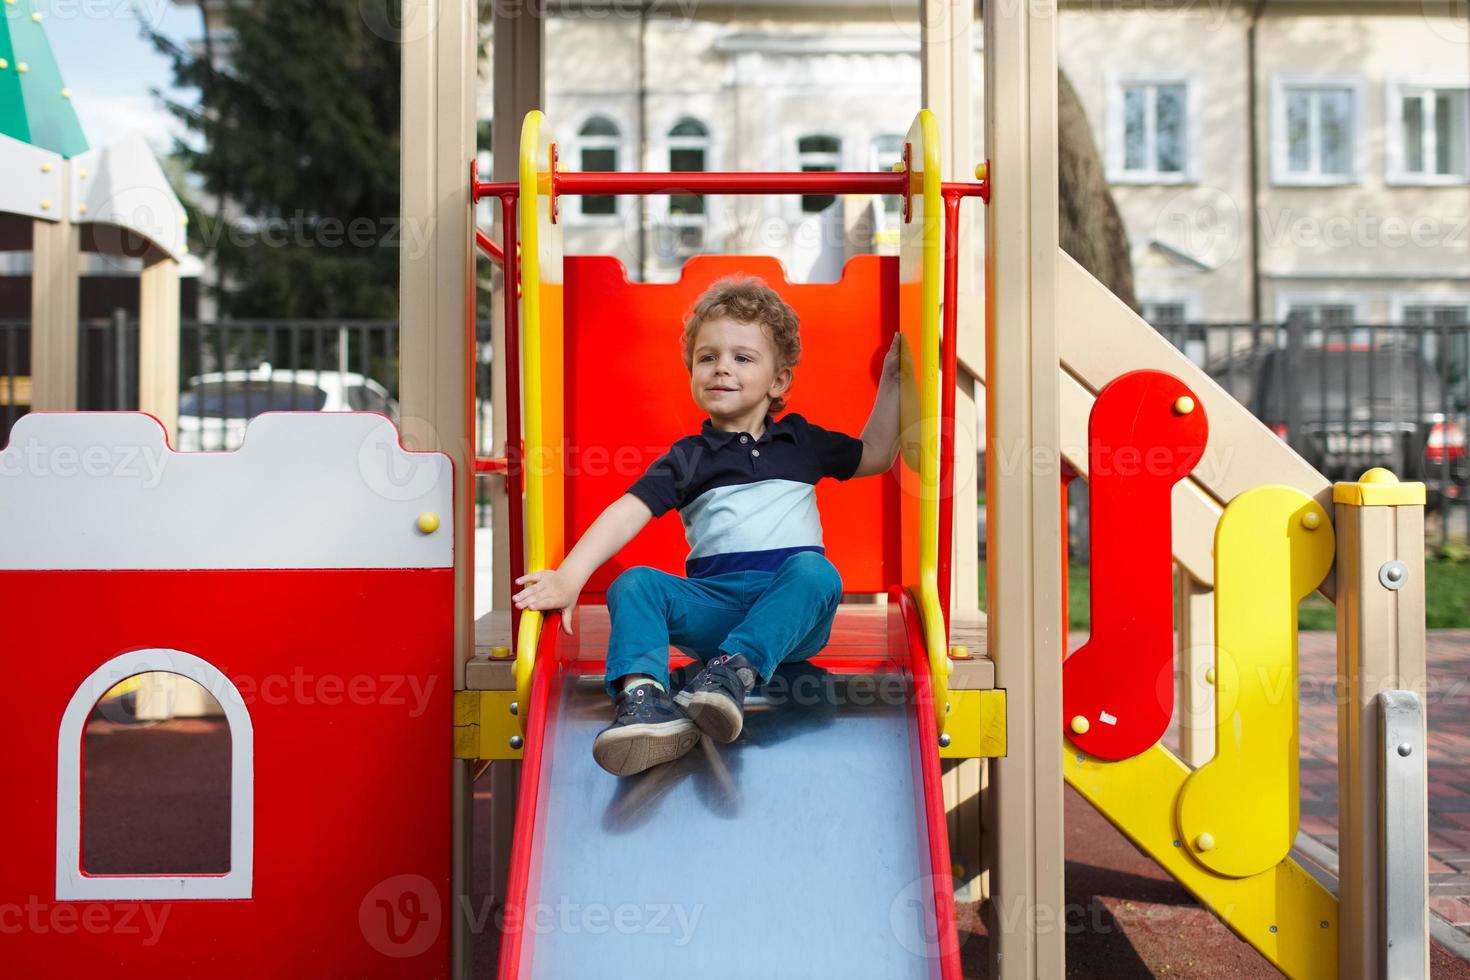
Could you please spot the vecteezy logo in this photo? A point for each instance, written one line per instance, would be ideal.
(392, 473)
(401, 916)
(911, 916)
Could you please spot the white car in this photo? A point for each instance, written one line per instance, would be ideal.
(214, 407)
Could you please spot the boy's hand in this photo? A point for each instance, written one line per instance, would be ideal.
(893, 360)
(549, 590)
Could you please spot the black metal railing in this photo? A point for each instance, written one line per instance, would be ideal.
(15, 373)
(1350, 396)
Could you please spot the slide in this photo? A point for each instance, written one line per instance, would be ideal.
(808, 847)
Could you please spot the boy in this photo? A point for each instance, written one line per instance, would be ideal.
(759, 589)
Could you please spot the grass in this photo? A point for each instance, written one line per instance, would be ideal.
(1447, 598)
(1077, 594)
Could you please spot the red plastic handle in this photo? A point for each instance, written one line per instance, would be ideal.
(1146, 432)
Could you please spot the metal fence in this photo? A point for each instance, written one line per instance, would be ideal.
(231, 371)
(15, 373)
(1345, 396)
(1349, 397)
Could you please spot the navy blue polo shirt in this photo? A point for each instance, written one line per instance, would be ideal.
(748, 503)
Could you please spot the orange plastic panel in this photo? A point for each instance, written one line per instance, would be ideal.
(627, 399)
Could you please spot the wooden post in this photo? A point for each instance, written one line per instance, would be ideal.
(158, 340)
(1194, 625)
(1023, 489)
(1380, 647)
(437, 125)
(55, 265)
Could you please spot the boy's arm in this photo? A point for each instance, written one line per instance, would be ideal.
(558, 588)
(880, 435)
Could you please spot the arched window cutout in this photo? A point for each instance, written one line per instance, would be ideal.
(74, 884)
(156, 780)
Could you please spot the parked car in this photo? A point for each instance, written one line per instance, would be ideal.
(214, 407)
(1356, 408)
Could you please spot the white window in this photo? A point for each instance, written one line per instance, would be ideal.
(1428, 133)
(72, 883)
(1315, 133)
(1437, 314)
(688, 153)
(1149, 130)
(686, 214)
(818, 153)
(598, 148)
(1327, 317)
(1165, 313)
(487, 211)
(886, 152)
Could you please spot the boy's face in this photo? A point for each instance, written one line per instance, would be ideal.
(733, 375)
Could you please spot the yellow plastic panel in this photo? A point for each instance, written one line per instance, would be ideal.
(977, 725)
(1283, 911)
(541, 376)
(484, 727)
(1378, 487)
(920, 276)
(1238, 812)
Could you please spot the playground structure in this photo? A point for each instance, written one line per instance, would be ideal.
(61, 199)
(359, 868)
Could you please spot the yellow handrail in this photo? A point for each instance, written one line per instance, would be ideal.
(533, 161)
(924, 137)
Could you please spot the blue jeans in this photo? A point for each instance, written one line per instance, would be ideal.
(771, 617)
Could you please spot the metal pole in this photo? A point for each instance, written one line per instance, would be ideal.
(1402, 836)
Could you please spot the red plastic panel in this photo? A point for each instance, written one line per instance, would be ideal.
(347, 675)
(1121, 682)
(628, 399)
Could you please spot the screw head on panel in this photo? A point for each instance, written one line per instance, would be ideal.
(1393, 575)
(516, 741)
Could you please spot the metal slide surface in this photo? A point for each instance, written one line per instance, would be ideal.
(799, 851)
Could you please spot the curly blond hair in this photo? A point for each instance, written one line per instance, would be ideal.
(747, 299)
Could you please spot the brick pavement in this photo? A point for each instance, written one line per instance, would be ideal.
(1448, 711)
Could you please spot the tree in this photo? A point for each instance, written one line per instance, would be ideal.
(1091, 230)
(297, 153)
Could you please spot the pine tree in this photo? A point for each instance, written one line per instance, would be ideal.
(296, 135)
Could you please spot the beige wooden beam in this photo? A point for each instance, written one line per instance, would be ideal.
(55, 267)
(1380, 647)
(437, 126)
(1194, 665)
(1025, 851)
(1099, 338)
(158, 340)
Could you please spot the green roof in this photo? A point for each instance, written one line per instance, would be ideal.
(35, 104)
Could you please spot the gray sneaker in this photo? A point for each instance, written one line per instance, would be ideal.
(649, 729)
(715, 699)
